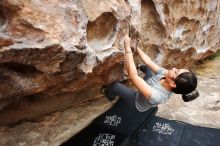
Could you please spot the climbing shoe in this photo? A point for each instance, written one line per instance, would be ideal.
(108, 94)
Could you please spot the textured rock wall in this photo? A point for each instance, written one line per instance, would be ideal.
(56, 54)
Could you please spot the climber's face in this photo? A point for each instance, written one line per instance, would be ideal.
(174, 72)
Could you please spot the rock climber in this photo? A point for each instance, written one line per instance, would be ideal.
(157, 85)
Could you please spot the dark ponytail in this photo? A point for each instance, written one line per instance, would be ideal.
(186, 85)
(190, 96)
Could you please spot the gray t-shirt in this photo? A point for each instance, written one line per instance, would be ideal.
(158, 93)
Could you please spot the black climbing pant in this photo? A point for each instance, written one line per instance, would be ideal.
(127, 95)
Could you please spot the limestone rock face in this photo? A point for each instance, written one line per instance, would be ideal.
(57, 54)
(178, 31)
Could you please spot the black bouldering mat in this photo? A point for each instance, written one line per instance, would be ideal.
(122, 119)
(163, 132)
(96, 135)
(112, 127)
(122, 126)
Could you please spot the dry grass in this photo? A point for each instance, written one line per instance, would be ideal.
(208, 67)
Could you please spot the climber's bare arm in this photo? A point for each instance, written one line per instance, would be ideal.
(140, 84)
(146, 59)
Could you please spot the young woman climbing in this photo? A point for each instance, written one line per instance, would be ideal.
(157, 85)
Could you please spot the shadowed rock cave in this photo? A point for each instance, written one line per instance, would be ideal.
(151, 23)
(101, 31)
(186, 27)
(177, 3)
(20, 68)
(154, 52)
(2, 18)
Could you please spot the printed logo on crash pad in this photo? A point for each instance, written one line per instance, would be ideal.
(163, 128)
(112, 120)
(104, 139)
